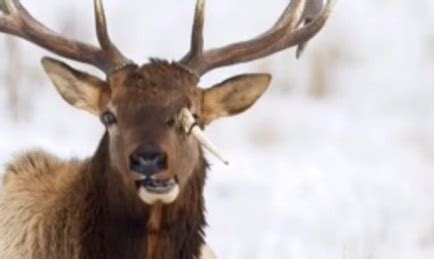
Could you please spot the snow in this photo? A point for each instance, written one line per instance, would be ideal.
(344, 175)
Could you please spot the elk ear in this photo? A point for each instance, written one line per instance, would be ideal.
(79, 89)
(233, 96)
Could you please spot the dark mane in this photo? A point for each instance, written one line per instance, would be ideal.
(116, 224)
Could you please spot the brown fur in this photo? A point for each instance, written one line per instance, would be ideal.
(52, 209)
(55, 209)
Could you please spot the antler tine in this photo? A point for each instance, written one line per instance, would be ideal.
(289, 13)
(204, 62)
(16, 20)
(104, 39)
(299, 37)
(284, 34)
(313, 8)
(285, 17)
(304, 34)
(8, 6)
(197, 34)
(3, 7)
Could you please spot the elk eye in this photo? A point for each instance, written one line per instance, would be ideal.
(108, 118)
(195, 116)
(171, 122)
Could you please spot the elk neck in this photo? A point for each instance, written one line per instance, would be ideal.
(119, 225)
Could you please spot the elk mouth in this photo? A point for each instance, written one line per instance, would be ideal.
(151, 190)
(155, 186)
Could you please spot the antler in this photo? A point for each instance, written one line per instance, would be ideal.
(284, 34)
(16, 20)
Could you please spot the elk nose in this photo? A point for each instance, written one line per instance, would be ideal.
(148, 162)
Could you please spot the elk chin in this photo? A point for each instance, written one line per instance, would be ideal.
(151, 198)
(151, 191)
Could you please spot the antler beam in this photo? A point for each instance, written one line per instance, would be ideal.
(284, 34)
(16, 20)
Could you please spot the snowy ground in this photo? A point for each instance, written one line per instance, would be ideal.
(343, 172)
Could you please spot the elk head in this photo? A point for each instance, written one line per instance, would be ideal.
(154, 114)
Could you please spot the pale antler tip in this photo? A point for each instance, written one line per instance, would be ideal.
(200, 4)
(2, 6)
(99, 11)
(189, 124)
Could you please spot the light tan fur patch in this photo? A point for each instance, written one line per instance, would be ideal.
(207, 253)
(31, 184)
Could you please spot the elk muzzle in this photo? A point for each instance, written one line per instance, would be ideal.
(148, 162)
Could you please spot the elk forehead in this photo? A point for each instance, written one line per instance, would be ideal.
(152, 95)
(156, 79)
(164, 87)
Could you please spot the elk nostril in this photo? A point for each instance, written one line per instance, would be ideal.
(160, 161)
(148, 163)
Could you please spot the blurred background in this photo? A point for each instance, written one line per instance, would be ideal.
(336, 161)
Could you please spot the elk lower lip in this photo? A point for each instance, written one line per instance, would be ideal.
(158, 187)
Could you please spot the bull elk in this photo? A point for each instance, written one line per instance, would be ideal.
(141, 194)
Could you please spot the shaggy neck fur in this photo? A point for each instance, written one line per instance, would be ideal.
(115, 223)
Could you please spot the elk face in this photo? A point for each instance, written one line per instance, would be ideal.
(141, 109)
